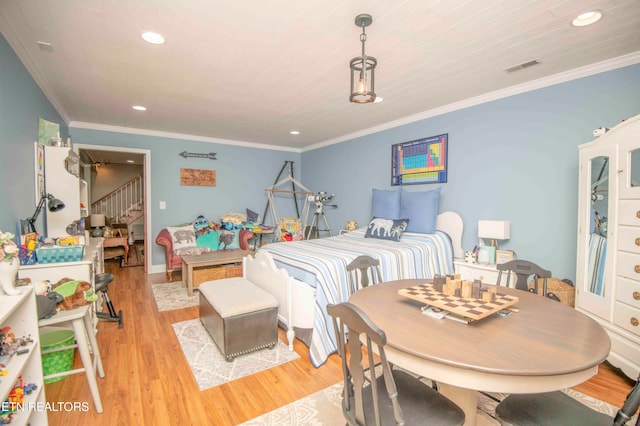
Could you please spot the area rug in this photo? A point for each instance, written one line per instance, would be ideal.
(173, 296)
(324, 408)
(321, 408)
(208, 365)
(136, 256)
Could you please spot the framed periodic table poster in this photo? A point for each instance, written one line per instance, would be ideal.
(420, 161)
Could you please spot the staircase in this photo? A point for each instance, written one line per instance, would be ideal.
(124, 204)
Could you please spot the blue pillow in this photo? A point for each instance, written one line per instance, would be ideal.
(210, 239)
(385, 204)
(386, 229)
(228, 240)
(421, 208)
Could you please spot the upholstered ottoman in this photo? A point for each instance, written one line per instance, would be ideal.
(239, 316)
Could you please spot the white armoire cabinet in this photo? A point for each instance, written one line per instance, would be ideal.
(608, 263)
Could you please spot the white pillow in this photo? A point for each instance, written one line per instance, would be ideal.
(182, 236)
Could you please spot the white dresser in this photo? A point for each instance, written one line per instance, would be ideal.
(608, 258)
(487, 273)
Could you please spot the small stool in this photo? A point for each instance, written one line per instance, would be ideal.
(239, 316)
(102, 285)
(86, 343)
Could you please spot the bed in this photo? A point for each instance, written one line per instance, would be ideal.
(318, 269)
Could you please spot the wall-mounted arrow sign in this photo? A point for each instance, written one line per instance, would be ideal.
(211, 155)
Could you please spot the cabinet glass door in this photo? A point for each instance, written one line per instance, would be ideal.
(634, 168)
(598, 219)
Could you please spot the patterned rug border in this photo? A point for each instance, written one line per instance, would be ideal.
(325, 408)
(207, 363)
(170, 296)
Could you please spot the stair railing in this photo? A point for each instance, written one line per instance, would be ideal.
(122, 202)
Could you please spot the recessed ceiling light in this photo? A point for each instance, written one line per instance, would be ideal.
(153, 38)
(294, 132)
(587, 18)
(130, 161)
(139, 108)
(378, 100)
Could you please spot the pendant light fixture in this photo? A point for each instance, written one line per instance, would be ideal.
(362, 68)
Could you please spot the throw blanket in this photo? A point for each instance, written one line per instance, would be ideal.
(322, 264)
(597, 255)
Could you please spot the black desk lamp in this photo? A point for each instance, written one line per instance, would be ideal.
(54, 206)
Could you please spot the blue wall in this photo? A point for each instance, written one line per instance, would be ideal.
(242, 174)
(21, 103)
(511, 159)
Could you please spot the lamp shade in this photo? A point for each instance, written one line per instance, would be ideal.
(494, 229)
(97, 220)
(55, 205)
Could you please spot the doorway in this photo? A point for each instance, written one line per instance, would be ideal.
(111, 170)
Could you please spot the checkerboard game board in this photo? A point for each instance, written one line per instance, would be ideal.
(474, 309)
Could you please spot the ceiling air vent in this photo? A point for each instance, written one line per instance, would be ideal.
(522, 66)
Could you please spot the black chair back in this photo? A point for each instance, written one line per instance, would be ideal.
(523, 269)
(367, 268)
(374, 393)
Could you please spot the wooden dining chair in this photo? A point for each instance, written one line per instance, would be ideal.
(365, 267)
(557, 408)
(382, 395)
(523, 269)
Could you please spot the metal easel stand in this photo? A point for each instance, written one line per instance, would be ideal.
(274, 189)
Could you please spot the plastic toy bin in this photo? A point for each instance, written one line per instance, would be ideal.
(58, 254)
(56, 362)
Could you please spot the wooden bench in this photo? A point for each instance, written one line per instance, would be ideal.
(204, 267)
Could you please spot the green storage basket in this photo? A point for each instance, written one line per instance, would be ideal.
(57, 362)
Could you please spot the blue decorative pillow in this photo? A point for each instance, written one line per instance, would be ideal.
(386, 229)
(209, 239)
(228, 239)
(385, 204)
(421, 208)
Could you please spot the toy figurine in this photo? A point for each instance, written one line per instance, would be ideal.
(471, 257)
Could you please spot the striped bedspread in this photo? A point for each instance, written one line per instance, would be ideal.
(322, 264)
(597, 255)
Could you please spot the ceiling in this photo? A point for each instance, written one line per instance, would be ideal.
(251, 71)
(95, 157)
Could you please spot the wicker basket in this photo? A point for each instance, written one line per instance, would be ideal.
(209, 273)
(563, 290)
(58, 254)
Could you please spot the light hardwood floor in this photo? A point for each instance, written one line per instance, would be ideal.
(148, 381)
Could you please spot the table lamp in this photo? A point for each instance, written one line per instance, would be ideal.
(54, 206)
(98, 221)
(494, 230)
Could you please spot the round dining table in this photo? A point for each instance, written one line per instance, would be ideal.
(542, 346)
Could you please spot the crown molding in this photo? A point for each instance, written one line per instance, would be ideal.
(9, 33)
(180, 136)
(563, 77)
